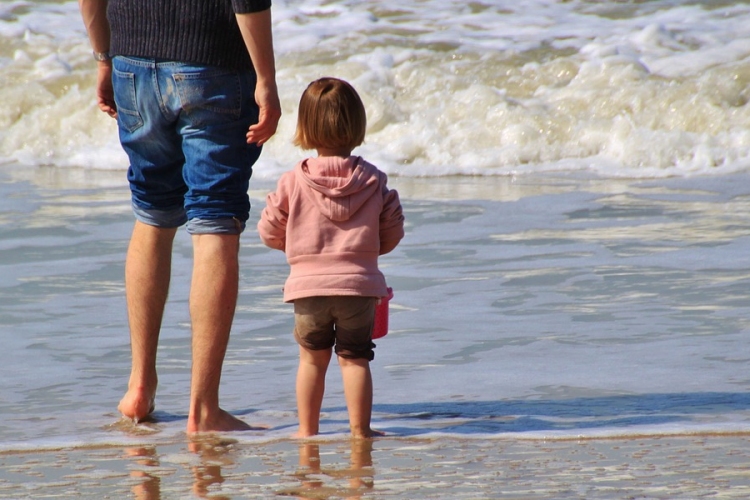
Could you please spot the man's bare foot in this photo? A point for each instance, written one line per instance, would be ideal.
(367, 434)
(137, 403)
(222, 421)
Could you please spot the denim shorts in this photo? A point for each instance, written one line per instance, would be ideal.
(183, 128)
(343, 321)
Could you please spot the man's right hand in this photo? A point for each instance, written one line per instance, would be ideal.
(257, 34)
(267, 98)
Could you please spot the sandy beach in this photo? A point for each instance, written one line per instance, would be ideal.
(644, 467)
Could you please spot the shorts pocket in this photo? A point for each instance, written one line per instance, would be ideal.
(209, 97)
(128, 116)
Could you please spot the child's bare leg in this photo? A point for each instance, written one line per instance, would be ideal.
(358, 392)
(311, 384)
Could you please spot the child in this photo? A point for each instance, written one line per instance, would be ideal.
(333, 216)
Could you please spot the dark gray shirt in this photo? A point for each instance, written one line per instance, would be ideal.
(193, 31)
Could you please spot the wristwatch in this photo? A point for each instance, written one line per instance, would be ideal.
(102, 56)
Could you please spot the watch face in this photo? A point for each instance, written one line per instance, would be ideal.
(102, 56)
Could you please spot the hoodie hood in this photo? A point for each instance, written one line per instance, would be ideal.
(339, 187)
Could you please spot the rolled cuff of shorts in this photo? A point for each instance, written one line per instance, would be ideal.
(160, 218)
(355, 353)
(215, 226)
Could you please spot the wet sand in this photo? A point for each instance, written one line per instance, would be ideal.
(647, 467)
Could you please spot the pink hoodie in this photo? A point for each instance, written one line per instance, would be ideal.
(333, 217)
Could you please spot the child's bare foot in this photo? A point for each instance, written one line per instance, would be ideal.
(222, 421)
(137, 403)
(303, 435)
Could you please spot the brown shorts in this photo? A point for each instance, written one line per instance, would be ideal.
(341, 321)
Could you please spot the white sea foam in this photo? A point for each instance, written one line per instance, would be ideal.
(625, 90)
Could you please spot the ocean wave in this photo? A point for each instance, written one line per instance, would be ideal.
(617, 90)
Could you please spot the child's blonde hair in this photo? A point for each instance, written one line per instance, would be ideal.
(331, 115)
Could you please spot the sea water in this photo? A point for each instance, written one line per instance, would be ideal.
(576, 182)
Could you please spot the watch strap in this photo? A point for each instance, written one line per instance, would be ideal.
(102, 56)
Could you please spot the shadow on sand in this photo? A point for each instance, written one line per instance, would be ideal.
(566, 415)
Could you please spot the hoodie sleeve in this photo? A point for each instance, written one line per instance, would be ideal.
(391, 221)
(273, 219)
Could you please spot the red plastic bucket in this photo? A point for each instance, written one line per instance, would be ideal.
(381, 316)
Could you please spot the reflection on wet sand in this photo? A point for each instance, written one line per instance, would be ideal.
(687, 466)
(319, 482)
(211, 453)
(214, 454)
(149, 487)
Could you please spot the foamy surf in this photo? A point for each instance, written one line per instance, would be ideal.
(618, 90)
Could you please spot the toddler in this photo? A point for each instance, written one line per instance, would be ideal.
(333, 215)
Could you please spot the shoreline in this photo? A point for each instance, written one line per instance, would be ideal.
(243, 439)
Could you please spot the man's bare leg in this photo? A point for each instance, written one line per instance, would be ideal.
(213, 298)
(147, 273)
(311, 385)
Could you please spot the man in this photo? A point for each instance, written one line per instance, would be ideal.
(192, 85)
